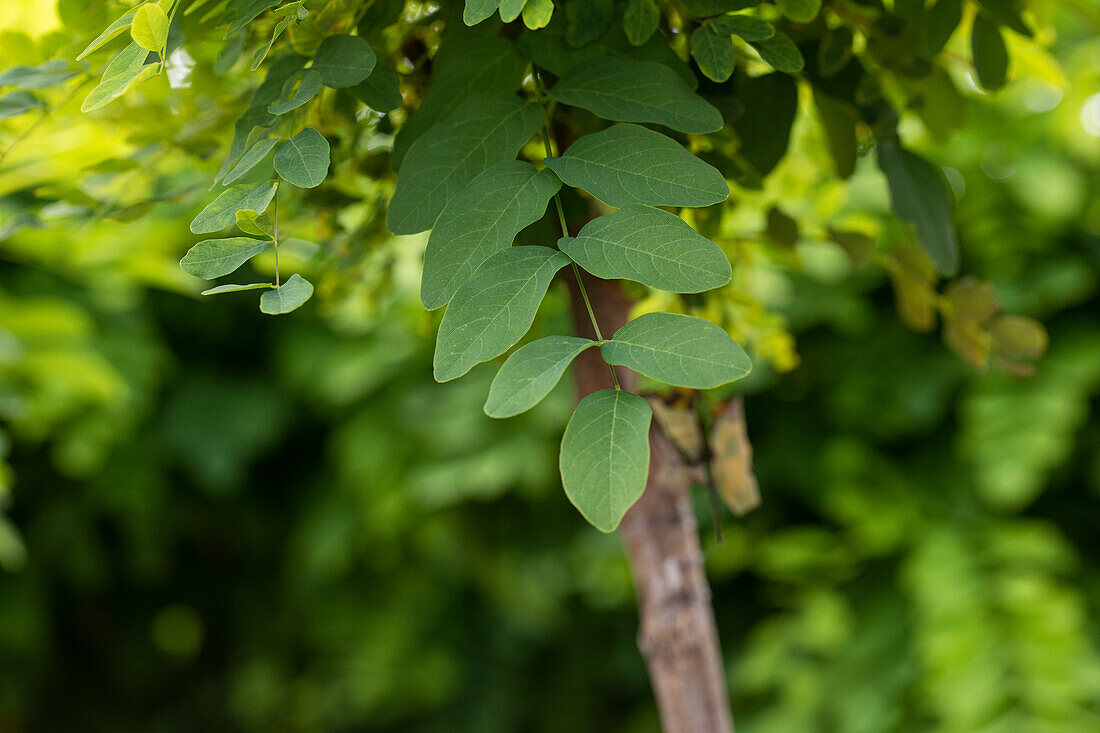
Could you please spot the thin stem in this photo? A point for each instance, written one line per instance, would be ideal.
(565, 226)
(275, 237)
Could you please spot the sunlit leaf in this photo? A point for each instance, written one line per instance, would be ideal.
(149, 28)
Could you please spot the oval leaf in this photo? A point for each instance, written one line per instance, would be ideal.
(531, 372)
(494, 308)
(252, 157)
(782, 53)
(478, 10)
(307, 89)
(800, 11)
(216, 257)
(293, 293)
(649, 246)
(637, 91)
(237, 288)
(990, 54)
(149, 28)
(713, 53)
(920, 194)
(221, 213)
(123, 70)
(483, 131)
(304, 159)
(113, 30)
(604, 458)
(481, 219)
(344, 61)
(628, 164)
(680, 350)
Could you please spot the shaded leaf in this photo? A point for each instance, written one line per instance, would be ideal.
(800, 11)
(308, 85)
(252, 157)
(259, 225)
(713, 53)
(920, 194)
(216, 257)
(781, 53)
(222, 211)
(587, 20)
(990, 55)
(381, 91)
(640, 21)
(747, 27)
(530, 373)
(343, 60)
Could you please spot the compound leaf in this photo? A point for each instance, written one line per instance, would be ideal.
(531, 372)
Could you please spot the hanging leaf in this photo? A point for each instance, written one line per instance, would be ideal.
(252, 157)
(637, 91)
(221, 213)
(149, 28)
(713, 53)
(304, 159)
(494, 308)
(308, 84)
(920, 194)
(113, 30)
(343, 61)
(483, 131)
(381, 91)
(681, 350)
(640, 21)
(480, 220)
(531, 373)
(537, 13)
(781, 53)
(216, 257)
(627, 164)
(650, 246)
(479, 10)
(587, 20)
(237, 288)
(291, 296)
(604, 458)
(510, 9)
(940, 22)
(124, 69)
(800, 11)
(263, 51)
(990, 54)
(747, 27)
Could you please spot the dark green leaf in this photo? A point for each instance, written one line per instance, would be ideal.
(290, 296)
(800, 11)
(381, 91)
(748, 27)
(604, 459)
(531, 373)
(344, 61)
(640, 21)
(587, 20)
(839, 120)
(478, 10)
(940, 23)
(920, 194)
(990, 54)
(713, 53)
(781, 53)
(304, 159)
(221, 213)
(216, 257)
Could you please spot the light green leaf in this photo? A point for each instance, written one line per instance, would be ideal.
(216, 257)
(713, 53)
(252, 157)
(637, 91)
(782, 53)
(604, 458)
(222, 211)
(640, 21)
(919, 194)
(306, 90)
(344, 61)
(800, 11)
(530, 373)
(290, 296)
(680, 350)
(381, 91)
(483, 131)
(482, 218)
(237, 288)
(123, 70)
(494, 308)
(990, 55)
(510, 9)
(259, 225)
(304, 159)
(113, 30)
(537, 13)
(748, 27)
(627, 164)
(478, 10)
(649, 246)
(262, 51)
(149, 28)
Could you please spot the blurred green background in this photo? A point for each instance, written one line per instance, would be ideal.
(216, 520)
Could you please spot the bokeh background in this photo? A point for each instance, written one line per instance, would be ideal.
(217, 520)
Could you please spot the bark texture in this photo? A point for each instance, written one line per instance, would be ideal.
(678, 637)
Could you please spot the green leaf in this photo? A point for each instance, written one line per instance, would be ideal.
(304, 159)
(839, 120)
(765, 133)
(681, 350)
(482, 218)
(310, 83)
(216, 257)
(237, 288)
(990, 55)
(123, 70)
(262, 51)
(920, 194)
(604, 458)
(782, 53)
(587, 20)
(149, 28)
(537, 13)
(713, 53)
(940, 22)
(800, 11)
(530, 373)
(113, 30)
(627, 164)
(483, 131)
(650, 246)
(16, 103)
(478, 10)
(640, 21)
(221, 213)
(344, 61)
(511, 9)
(33, 78)
(469, 62)
(381, 91)
(747, 27)
(251, 222)
(290, 296)
(637, 91)
(494, 308)
(252, 157)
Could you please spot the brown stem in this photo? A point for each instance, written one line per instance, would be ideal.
(678, 636)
